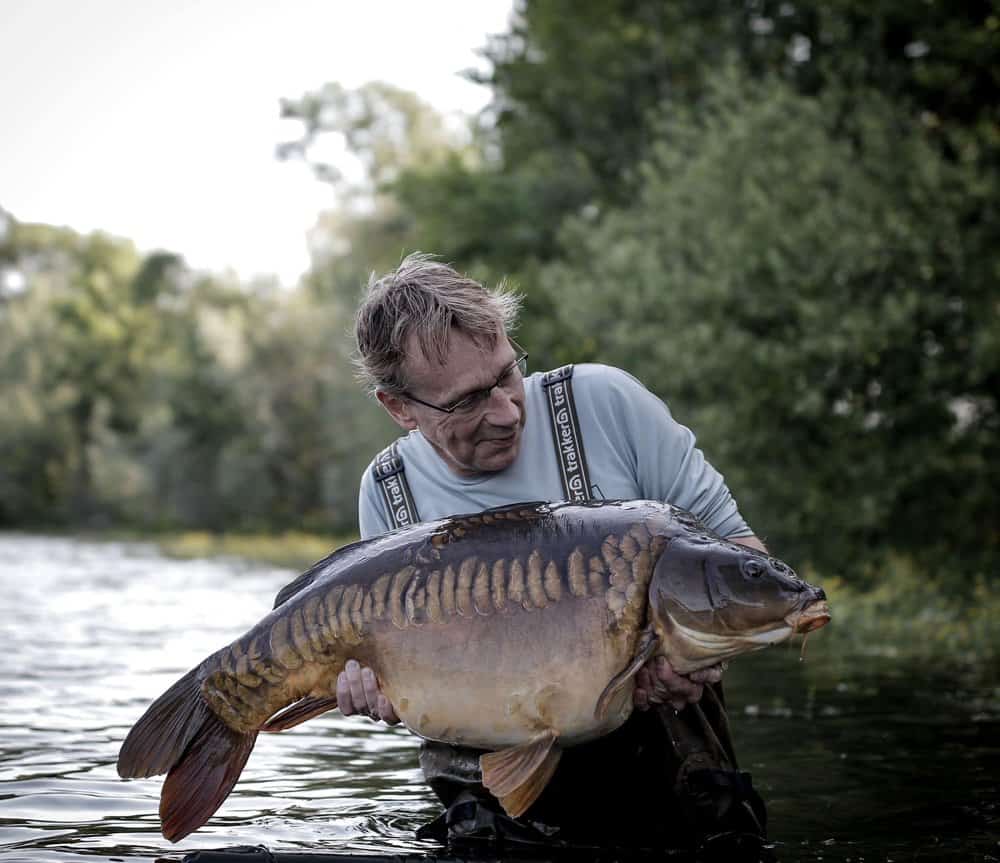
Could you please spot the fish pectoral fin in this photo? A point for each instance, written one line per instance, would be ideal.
(516, 776)
(648, 643)
(299, 712)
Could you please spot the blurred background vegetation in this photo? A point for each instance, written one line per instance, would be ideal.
(784, 217)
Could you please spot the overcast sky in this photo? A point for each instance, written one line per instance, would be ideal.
(158, 121)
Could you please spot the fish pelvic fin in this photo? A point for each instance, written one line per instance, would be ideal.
(299, 712)
(516, 776)
(646, 649)
(198, 784)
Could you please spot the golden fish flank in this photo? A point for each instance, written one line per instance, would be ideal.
(409, 609)
(347, 632)
(597, 579)
(536, 589)
(261, 662)
(331, 602)
(312, 615)
(482, 600)
(629, 547)
(434, 611)
(621, 573)
(498, 584)
(609, 548)
(463, 587)
(515, 588)
(553, 582)
(356, 619)
(415, 602)
(399, 583)
(300, 636)
(244, 675)
(577, 573)
(281, 649)
(379, 590)
(448, 591)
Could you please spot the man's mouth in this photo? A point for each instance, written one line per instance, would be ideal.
(500, 440)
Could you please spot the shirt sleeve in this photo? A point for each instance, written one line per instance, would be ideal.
(371, 512)
(669, 466)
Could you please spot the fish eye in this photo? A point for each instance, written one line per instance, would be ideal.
(753, 568)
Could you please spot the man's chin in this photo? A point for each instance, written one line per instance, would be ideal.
(499, 456)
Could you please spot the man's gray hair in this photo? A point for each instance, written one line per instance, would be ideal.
(424, 298)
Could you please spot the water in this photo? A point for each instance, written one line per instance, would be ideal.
(860, 758)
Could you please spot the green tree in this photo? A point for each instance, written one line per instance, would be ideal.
(803, 289)
(90, 329)
(138, 391)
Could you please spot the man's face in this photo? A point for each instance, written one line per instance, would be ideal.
(486, 439)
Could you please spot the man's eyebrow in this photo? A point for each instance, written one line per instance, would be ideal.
(464, 394)
(490, 383)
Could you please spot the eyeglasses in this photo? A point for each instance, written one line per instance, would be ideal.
(468, 404)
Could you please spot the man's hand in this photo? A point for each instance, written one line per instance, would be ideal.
(658, 683)
(358, 692)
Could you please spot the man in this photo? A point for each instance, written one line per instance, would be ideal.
(433, 347)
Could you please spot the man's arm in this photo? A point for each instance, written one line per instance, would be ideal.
(750, 542)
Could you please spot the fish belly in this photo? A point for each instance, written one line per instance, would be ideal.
(498, 680)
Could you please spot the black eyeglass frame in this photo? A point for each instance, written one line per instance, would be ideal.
(520, 363)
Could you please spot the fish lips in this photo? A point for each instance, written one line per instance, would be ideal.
(811, 616)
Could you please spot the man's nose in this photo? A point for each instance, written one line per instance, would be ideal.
(502, 409)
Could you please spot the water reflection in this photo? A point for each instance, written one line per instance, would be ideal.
(858, 757)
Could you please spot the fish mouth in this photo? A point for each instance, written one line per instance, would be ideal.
(813, 616)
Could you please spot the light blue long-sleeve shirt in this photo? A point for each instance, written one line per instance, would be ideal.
(633, 446)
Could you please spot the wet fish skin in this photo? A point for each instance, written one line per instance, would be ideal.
(707, 608)
(498, 630)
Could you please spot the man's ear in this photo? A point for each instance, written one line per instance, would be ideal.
(398, 409)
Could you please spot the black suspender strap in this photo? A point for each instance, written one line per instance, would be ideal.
(391, 478)
(566, 433)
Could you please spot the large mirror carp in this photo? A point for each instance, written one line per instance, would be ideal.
(518, 630)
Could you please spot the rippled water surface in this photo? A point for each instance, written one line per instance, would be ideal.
(859, 758)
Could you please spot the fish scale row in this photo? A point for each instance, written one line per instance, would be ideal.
(317, 628)
(468, 587)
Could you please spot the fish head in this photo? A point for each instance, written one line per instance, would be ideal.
(711, 600)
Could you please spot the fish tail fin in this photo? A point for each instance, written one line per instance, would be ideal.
(160, 737)
(203, 757)
(198, 784)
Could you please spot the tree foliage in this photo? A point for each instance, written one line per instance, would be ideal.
(138, 391)
(804, 290)
(780, 215)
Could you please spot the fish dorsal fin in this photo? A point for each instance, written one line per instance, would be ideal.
(648, 642)
(309, 576)
(289, 590)
(541, 506)
(518, 774)
(297, 713)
